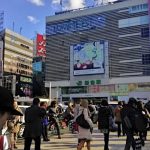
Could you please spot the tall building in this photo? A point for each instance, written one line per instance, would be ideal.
(39, 66)
(101, 52)
(17, 62)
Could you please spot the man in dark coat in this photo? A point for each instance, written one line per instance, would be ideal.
(33, 125)
(104, 112)
(128, 122)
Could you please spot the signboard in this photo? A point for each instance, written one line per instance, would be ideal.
(37, 66)
(88, 58)
(41, 45)
(25, 79)
(88, 82)
(76, 24)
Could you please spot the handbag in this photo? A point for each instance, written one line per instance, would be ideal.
(80, 120)
(112, 125)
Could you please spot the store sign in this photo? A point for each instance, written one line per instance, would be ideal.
(77, 24)
(25, 79)
(88, 82)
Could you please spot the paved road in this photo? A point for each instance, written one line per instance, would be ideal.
(69, 141)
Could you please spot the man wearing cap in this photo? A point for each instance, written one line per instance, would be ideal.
(6, 109)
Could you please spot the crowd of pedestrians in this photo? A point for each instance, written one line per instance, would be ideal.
(41, 117)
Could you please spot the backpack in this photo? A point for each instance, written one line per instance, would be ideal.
(139, 122)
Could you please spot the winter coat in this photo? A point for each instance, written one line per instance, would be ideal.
(33, 121)
(130, 112)
(104, 113)
(117, 113)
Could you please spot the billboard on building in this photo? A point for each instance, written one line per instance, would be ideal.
(41, 45)
(37, 66)
(88, 58)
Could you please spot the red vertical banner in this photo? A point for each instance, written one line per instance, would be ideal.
(41, 45)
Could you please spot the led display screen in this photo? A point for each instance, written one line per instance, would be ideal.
(88, 58)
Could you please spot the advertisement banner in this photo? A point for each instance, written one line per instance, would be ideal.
(132, 87)
(88, 58)
(76, 24)
(41, 45)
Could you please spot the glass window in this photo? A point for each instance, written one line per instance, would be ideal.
(146, 71)
(146, 59)
(145, 32)
(135, 21)
(138, 8)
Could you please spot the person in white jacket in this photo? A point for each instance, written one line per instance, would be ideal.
(84, 135)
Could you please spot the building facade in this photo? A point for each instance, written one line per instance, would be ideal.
(17, 62)
(101, 52)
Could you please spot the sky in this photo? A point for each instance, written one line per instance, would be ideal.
(28, 17)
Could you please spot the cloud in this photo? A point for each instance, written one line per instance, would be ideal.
(56, 1)
(71, 4)
(32, 19)
(74, 4)
(37, 2)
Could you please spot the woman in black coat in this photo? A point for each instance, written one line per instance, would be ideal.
(104, 112)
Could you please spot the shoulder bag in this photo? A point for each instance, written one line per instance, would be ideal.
(80, 120)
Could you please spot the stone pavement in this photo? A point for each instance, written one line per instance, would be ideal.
(69, 141)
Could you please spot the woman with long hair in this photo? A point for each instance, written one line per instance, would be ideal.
(84, 135)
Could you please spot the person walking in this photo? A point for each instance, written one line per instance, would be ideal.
(84, 135)
(145, 117)
(33, 125)
(14, 126)
(128, 121)
(117, 114)
(45, 122)
(104, 113)
(53, 117)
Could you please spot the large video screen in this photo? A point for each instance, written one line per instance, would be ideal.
(88, 58)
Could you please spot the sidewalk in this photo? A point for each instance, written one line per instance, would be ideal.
(69, 141)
